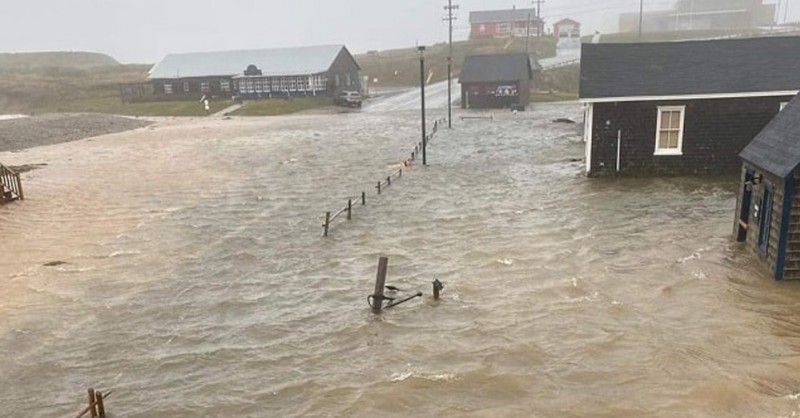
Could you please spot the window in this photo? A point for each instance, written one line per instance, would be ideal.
(266, 85)
(482, 28)
(259, 86)
(186, 86)
(225, 85)
(167, 88)
(784, 105)
(669, 134)
(503, 27)
(205, 87)
(348, 79)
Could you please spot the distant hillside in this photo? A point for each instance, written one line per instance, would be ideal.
(400, 67)
(37, 61)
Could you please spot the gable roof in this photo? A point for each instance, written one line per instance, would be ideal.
(503, 16)
(776, 149)
(712, 67)
(498, 67)
(567, 21)
(283, 61)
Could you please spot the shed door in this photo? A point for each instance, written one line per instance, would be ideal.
(766, 219)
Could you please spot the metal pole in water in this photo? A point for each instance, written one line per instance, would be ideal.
(327, 223)
(380, 282)
(349, 209)
(363, 198)
(422, 92)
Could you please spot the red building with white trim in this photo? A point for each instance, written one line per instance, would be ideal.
(505, 23)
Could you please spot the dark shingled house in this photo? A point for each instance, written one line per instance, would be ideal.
(682, 107)
(768, 207)
(260, 73)
(497, 81)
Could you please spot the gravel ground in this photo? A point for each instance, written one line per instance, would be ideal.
(35, 131)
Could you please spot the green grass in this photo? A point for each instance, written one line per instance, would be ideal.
(400, 67)
(274, 107)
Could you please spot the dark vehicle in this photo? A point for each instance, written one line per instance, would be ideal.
(348, 99)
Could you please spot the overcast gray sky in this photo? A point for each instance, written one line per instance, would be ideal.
(146, 30)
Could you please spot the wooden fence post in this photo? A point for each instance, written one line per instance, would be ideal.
(327, 223)
(400, 173)
(380, 282)
(101, 409)
(349, 209)
(92, 406)
(379, 187)
(363, 198)
(389, 180)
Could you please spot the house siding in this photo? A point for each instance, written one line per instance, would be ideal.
(195, 87)
(486, 100)
(789, 269)
(715, 131)
(342, 66)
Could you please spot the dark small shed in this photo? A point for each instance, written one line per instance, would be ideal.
(497, 81)
(768, 206)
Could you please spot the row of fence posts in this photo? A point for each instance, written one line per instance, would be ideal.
(380, 187)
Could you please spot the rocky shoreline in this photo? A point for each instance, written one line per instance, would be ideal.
(50, 129)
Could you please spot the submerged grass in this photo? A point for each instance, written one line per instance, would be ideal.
(274, 107)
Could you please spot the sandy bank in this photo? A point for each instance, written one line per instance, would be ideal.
(35, 131)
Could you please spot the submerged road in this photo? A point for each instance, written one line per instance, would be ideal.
(436, 94)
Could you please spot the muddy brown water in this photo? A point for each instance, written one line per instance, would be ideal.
(197, 283)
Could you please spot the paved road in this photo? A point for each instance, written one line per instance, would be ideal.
(436, 94)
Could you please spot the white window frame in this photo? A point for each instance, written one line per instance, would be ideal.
(186, 87)
(205, 87)
(168, 88)
(225, 85)
(482, 28)
(783, 104)
(670, 151)
(504, 27)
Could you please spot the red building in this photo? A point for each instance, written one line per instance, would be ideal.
(505, 23)
(567, 28)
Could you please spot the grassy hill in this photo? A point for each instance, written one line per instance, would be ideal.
(400, 67)
(37, 61)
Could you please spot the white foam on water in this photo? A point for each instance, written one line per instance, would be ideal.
(11, 117)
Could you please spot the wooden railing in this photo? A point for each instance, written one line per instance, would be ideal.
(10, 186)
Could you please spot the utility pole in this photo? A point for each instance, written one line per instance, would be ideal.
(422, 92)
(786, 12)
(528, 36)
(539, 17)
(450, 18)
(641, 15)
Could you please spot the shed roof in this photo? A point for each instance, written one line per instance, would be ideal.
(753, 65)
(776, 149)
(567, 21)
(502, 16)
(282, 61)
(497, 67)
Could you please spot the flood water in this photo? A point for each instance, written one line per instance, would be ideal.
(197, 283)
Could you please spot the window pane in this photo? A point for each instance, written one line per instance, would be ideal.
(673, 139)
(676, 120)
(665, 120)
(663, 140)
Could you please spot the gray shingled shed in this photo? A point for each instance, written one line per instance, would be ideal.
(768, 206)
(497, 81)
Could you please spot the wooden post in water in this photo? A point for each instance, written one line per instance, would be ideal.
(101, 409)
(327, 223)
(349, 209)
(19, 186)
(380, 282)
(363, 198)
(379, 187)
(412, 156)
(92, 406)
(400, 173)
(389, 180)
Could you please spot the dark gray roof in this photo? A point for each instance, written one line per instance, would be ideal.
(777, 148)
(498, 67)
(502, 16)
(693, 67)
(275, 62)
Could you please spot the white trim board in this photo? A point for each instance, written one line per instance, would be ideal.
(691, 97)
